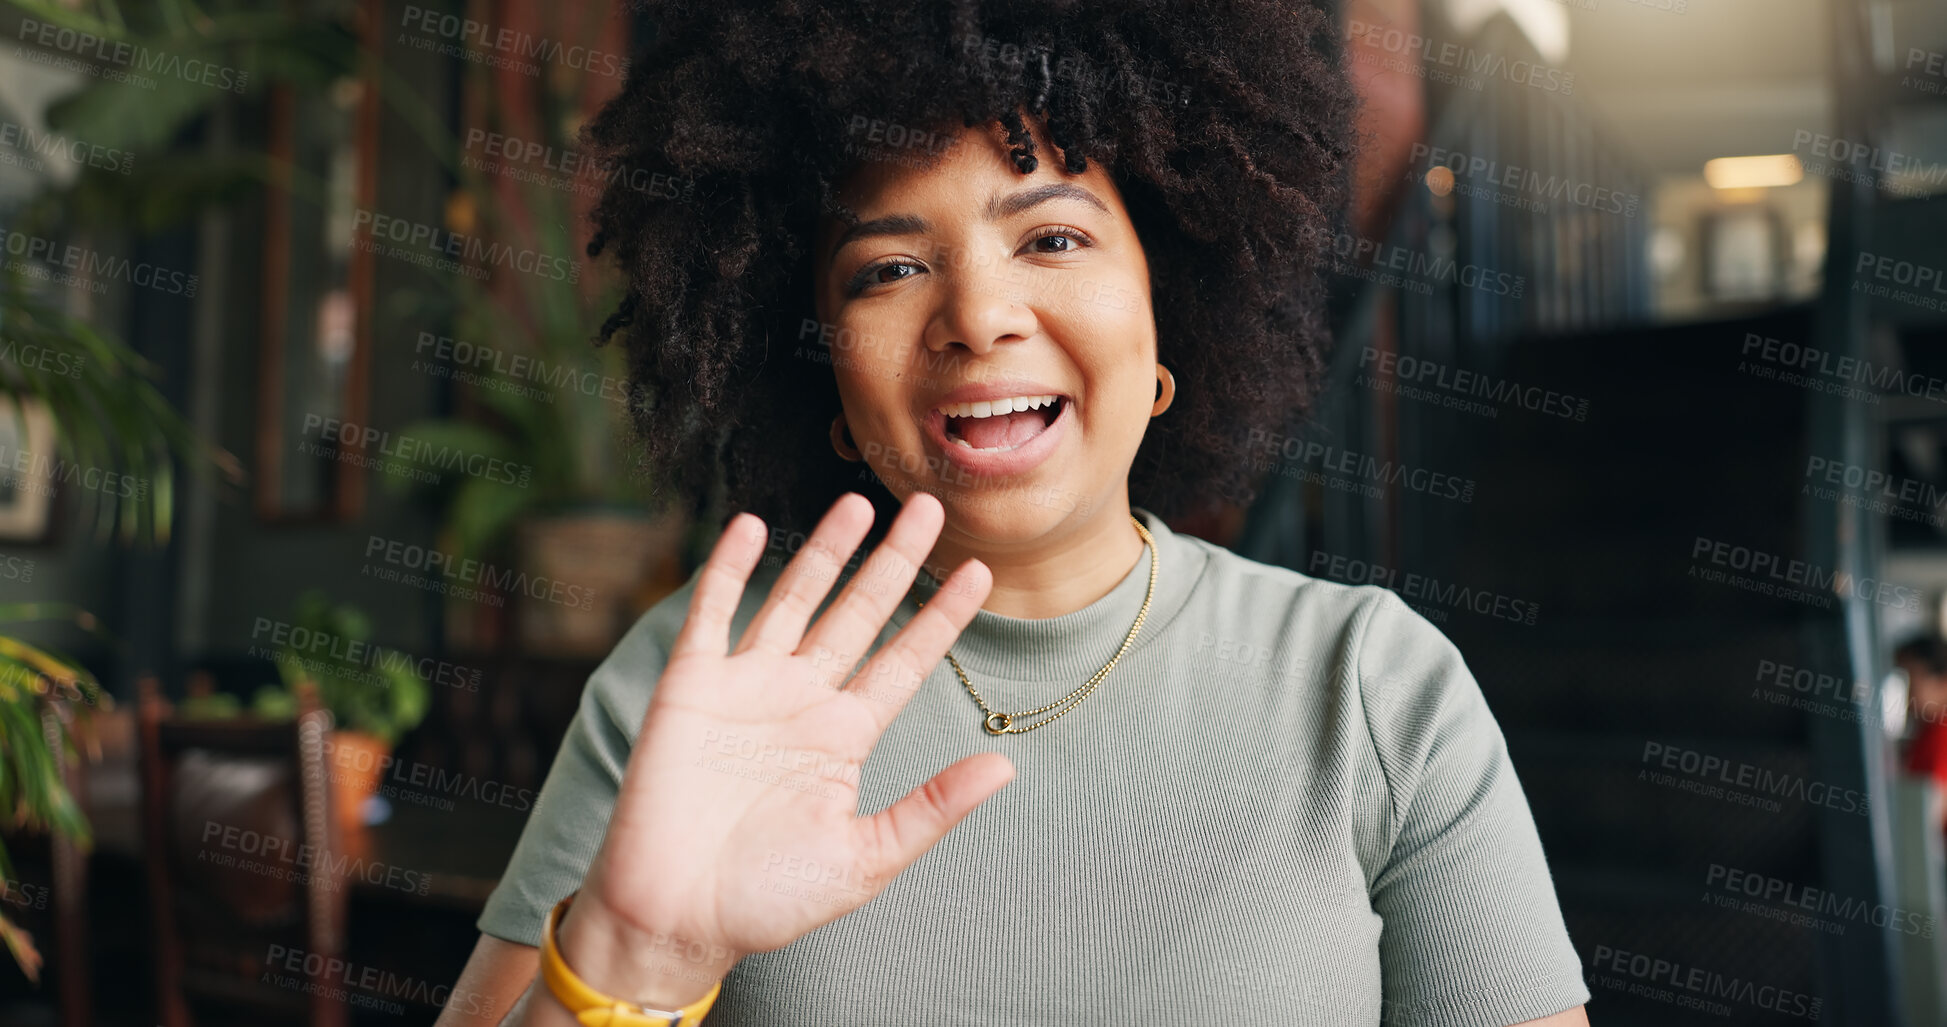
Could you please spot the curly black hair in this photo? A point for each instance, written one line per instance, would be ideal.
(1226, 126)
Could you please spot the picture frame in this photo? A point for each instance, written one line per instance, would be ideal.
(28, 464)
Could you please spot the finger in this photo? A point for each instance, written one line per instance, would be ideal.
(890, 840)
(900, 666)
(860, 613)
(780, 623)
(720, 588)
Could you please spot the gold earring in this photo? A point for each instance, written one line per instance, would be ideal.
(842, 443)
(1165, 391)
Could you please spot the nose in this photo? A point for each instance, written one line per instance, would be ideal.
(979, 308)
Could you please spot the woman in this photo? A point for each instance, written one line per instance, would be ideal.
(999, 269)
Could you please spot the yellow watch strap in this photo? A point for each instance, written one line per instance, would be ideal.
(594, 1009)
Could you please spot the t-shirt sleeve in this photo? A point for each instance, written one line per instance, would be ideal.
(1472, 932)
(570, 815)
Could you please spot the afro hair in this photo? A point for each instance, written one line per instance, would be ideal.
(1226, 126)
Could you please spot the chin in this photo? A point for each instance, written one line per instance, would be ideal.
(1010, 514)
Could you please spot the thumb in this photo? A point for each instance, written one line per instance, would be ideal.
(891, 839)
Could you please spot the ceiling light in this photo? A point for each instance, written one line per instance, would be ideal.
(1753, 172)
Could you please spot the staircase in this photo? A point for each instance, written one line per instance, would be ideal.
(1596, 522)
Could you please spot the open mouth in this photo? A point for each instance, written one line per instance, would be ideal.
(1001, 424)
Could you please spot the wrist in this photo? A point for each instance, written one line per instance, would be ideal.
(618, 958)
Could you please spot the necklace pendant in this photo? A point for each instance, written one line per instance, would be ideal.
(997, 723)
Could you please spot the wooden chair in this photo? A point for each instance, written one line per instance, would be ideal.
(70, 873)
(249, 913)
(47, 896)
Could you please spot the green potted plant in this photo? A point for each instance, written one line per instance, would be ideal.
(108, 418)
(373, 694)
(31, 793)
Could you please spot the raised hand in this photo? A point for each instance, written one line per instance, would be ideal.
(736, 827)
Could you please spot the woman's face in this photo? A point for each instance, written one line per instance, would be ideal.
(991, 335)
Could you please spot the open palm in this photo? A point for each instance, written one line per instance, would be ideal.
(736, 826)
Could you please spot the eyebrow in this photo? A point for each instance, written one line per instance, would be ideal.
(998, 206)
(891, 224)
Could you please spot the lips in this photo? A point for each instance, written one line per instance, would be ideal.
(1002, 424)
(997, 429)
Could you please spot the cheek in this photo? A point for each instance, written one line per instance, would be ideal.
(875, 395)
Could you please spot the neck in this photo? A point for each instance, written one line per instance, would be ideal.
(1054, 575)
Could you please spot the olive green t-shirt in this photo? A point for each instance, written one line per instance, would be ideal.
(1288, 803)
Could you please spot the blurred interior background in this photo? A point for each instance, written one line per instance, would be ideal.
(317, 507)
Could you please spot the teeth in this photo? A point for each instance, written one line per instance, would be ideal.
(989, 408)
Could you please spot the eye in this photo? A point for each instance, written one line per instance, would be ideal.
(1059, 239)
(880, 273)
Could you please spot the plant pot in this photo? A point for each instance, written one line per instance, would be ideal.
(355, 763)
(580, 574)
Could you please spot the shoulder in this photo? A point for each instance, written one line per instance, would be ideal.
(1364, 646)
(1259, 599)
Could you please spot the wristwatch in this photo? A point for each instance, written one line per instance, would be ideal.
(591, 1008)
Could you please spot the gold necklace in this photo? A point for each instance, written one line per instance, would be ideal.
(1003, 723)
